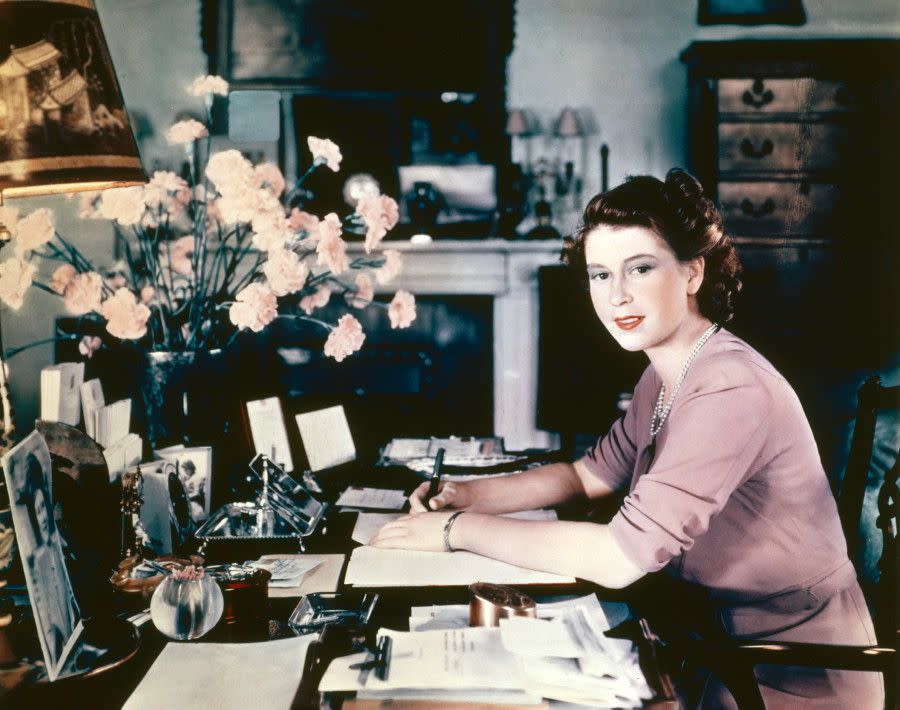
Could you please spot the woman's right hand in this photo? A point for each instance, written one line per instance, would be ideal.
(450, 495)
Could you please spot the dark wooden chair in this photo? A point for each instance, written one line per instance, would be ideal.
(733, 662)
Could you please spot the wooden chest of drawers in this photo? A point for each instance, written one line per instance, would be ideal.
(798, 143)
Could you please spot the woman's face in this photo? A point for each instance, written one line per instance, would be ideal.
(640, 290)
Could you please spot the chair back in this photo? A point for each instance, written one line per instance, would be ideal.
(857, 515)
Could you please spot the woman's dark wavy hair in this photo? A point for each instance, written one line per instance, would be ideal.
(679, 212)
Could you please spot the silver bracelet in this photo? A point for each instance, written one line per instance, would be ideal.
(447, 526)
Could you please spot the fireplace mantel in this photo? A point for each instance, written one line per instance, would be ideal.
(506, 270)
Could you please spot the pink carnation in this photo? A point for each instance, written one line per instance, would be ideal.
(402, 310)
(161, 186)
(209, 84)
(83, 293)
(331, 249)
(365, 292)
(272, 229)
(34, 231)
(301, 221)
(230, 171)
(126, 318)
(181, 255)
(393, 263)
(345, 339)
(315, 300)
(62, 277)
(185, 132)
(380, 214)
(123, 204)
(16, 276)
(255, 307)
(147, 294)
(325, 151)
(268, 175)
(88, 345)
(285, 272)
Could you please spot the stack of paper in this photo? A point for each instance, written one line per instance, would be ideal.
(60, 392)
(522, 661)
(122, 454)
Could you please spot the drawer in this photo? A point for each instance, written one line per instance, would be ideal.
(779, 208)
(781, 146)
(795, 96)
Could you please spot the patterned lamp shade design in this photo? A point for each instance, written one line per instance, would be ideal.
(63, 124)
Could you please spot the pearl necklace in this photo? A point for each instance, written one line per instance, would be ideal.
(660, 413)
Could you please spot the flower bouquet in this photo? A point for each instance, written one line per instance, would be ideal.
(204, 256)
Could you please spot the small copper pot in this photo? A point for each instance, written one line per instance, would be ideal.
(491, 602)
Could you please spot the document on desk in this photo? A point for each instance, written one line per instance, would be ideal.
(470, 658)
(371, 498)
(376, 567)
(223, 676)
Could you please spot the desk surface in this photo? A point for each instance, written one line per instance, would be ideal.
(112, 688)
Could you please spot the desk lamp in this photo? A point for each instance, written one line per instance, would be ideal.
(63, 124)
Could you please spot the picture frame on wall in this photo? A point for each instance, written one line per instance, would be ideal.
(751, 12)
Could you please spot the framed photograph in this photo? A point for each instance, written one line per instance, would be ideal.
(193, 465)
(28, 472)
(751, 12)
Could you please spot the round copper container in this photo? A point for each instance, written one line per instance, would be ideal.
(492, 602)
(246, 594)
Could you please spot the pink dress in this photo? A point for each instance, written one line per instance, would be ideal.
(734, 499)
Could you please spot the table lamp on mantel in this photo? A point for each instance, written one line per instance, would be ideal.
(63, 124)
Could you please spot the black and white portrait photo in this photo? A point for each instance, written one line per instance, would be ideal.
(194, 468)
(27, 470)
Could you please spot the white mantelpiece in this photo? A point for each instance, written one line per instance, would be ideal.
(506, 270)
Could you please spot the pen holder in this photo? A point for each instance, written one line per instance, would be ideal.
(491, 602)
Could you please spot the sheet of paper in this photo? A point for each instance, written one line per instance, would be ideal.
(470, 658)
(375, 567)
(372, 498)
(269, 432)
(326, 437)
(367, 524)
(112, 422)
(539, 637)
(223, 676)
(91, 399)
(287, 571)
(123, 454)
(323, 577)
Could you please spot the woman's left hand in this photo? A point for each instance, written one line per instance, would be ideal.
(423, 531)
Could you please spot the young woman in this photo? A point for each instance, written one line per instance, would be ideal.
(725, 487)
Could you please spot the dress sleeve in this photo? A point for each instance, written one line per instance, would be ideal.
(715, 440)
(612, 458)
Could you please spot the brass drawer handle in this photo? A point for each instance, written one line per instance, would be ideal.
(749, 209)
(759, 96)
(749, 150)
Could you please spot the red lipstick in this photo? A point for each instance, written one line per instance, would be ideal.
(629, 322)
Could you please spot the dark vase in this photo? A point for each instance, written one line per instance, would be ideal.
(163, 380)
(184, 397)
(424, 203)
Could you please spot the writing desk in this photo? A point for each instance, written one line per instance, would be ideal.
(112, 688)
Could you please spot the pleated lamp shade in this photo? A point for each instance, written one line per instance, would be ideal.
(63, 124)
